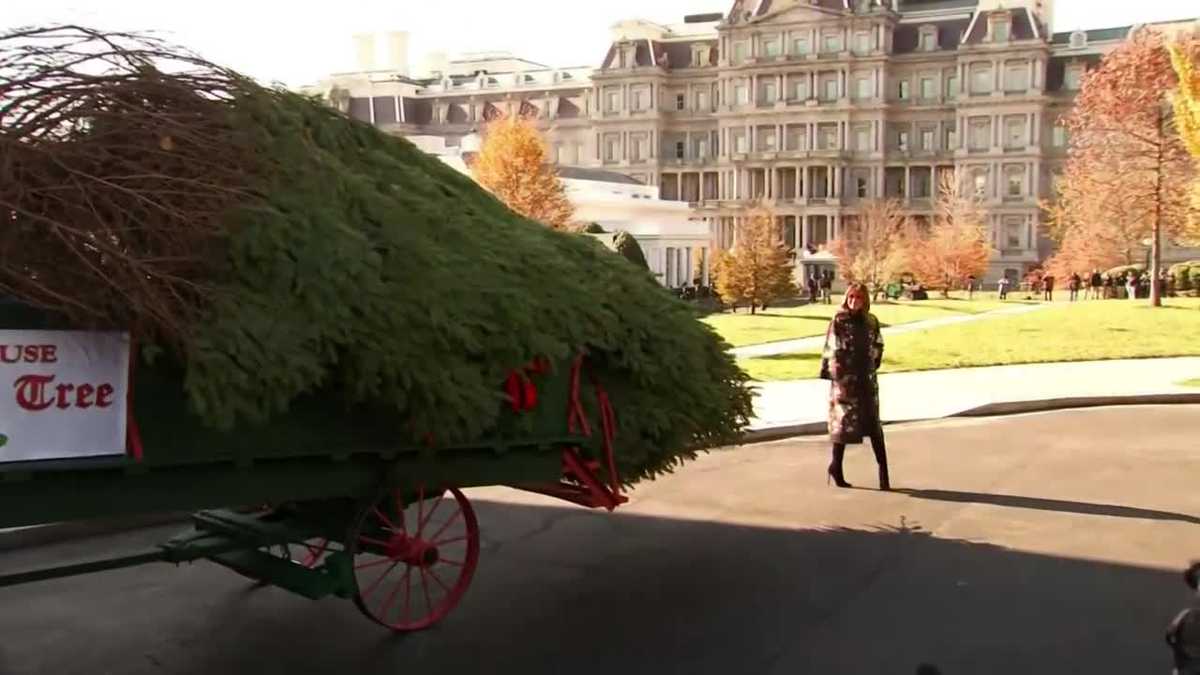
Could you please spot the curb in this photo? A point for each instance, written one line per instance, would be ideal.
(54, 533)
(778, 433)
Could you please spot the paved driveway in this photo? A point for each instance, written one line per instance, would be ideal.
(1038, 544)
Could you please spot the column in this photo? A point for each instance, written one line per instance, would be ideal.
(799, 185)
(805, 185)
(812, 136)
(802, 223)
(907, 182)
(704, 255)
(828, 180)
(1035, 130)
(835, 226)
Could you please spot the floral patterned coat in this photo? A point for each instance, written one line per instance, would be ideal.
(853, 352)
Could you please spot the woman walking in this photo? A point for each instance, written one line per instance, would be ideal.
(853, 352)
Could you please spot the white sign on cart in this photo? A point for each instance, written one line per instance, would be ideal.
(63, 394)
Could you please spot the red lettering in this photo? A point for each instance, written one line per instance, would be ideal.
(31, 392)
(49, 354)
(63, 390)
(83, 395)
(5, 356)
(31, 353)
(104, 394)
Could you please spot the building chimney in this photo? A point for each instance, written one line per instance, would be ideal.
(364, 50)
(398, 52)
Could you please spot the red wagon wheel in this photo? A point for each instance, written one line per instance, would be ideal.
(413, 562)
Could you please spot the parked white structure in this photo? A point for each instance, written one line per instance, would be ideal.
(676, 246)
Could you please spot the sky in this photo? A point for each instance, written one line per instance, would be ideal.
(299, 41)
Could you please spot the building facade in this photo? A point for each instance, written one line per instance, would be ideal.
(811, 107)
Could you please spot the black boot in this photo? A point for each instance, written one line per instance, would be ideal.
(835, 467)
(880, 449)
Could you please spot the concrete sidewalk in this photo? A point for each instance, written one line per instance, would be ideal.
(817, 341)
(942, 393)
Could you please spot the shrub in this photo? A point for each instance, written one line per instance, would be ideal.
(628, 246)
(594, 228)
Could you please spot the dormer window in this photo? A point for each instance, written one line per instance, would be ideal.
(701, 56)
(1078, 39)
(928, 38)
(772, 47)
(1000, 27)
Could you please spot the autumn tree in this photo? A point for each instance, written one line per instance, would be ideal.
(758, 269)
(956, 244)
(1088, 237)
(1126, 159)
(1187, 114)
(870, 249)
(512, 165)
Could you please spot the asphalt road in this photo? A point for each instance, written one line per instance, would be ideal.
(1038, 544)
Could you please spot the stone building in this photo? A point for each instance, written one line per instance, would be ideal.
(809, 106)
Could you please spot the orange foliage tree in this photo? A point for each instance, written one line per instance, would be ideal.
(1126, 160)
(512, 165)
(870, 249)
(956, 244)
(758, 269)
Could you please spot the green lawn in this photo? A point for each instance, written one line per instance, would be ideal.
(1191, 383)
(1084, 331)
(788, 323)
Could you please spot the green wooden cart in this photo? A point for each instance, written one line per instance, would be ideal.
(324, 502)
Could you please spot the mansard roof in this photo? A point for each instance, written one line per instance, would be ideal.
(1024, 26)
(907, 37)
(1095, 35)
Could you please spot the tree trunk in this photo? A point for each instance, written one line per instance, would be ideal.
(1156, 237)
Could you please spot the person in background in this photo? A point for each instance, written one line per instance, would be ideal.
(1131, 284)
(1097, 284)
(1109, 292)
(1073, 284)
(827, 287)
(971, 287)
(1183, 633)
(1002, 286)
(813, 287)
(852, 355)
(1048, 286)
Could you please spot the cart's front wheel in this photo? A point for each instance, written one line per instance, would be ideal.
(413, 561)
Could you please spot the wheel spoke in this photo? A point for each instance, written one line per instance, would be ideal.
(376, 563)
(386, 521)
(429, 516)
(456, 563)
(439, 581)
(425, 590)
(391, 598)
(369, 540)
(446, 525)
(443, 542)
(373, 586)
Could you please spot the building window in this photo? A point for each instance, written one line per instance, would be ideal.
(862, 87)
(702, 101)
(928, 41)
(1078, 39)
(769, 93)
(902, 91)
(951, 139)
(612, 149)
(613, 103)
(639, 99)
(702, 148)
(862, 139)
(739, 142)
(831, 43)
(831, 89)
(928, 140)
(1012, 232)
(741, 94)
(1016, 76)
(1014, 132)
(902, 141)
(1059, 136)
(800, 45)
(951, 86)
(862, 43)
(928, 88)
(981, 132)
(701, 56)
(827, 137)
(1073, 78)
(635, 152)
(772, 47)
(861, 187)
(680, 150)
(981, 79)
(769, 142)
(1015, 180)
(800, 89)
(979, 178)
(1000, 29)
(680, 102)
(740, 51)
